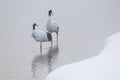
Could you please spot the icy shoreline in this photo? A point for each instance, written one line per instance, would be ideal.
(105, 66)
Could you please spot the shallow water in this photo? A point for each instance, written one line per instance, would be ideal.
(84, 25)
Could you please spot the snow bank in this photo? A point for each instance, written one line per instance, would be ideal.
(105, 66)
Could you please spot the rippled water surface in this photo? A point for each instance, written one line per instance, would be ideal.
(84, 25)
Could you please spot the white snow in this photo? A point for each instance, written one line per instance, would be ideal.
(105, 66)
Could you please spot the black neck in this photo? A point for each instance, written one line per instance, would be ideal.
(50, 13)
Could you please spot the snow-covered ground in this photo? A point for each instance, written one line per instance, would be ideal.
(105, 66)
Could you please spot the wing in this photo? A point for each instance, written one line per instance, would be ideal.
(55, 26)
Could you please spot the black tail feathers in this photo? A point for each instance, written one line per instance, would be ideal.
(49, 36)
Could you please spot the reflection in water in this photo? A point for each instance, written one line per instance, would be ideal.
(42, 64)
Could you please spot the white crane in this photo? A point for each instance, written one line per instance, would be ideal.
(51, 24)
(41, 36)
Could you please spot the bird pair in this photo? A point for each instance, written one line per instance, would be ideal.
(41, 36)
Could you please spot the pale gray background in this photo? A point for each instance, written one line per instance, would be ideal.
(84, 25)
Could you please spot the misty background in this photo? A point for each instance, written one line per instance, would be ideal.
(84, 25)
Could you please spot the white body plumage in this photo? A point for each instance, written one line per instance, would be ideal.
(52, 25)
(39, 36)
